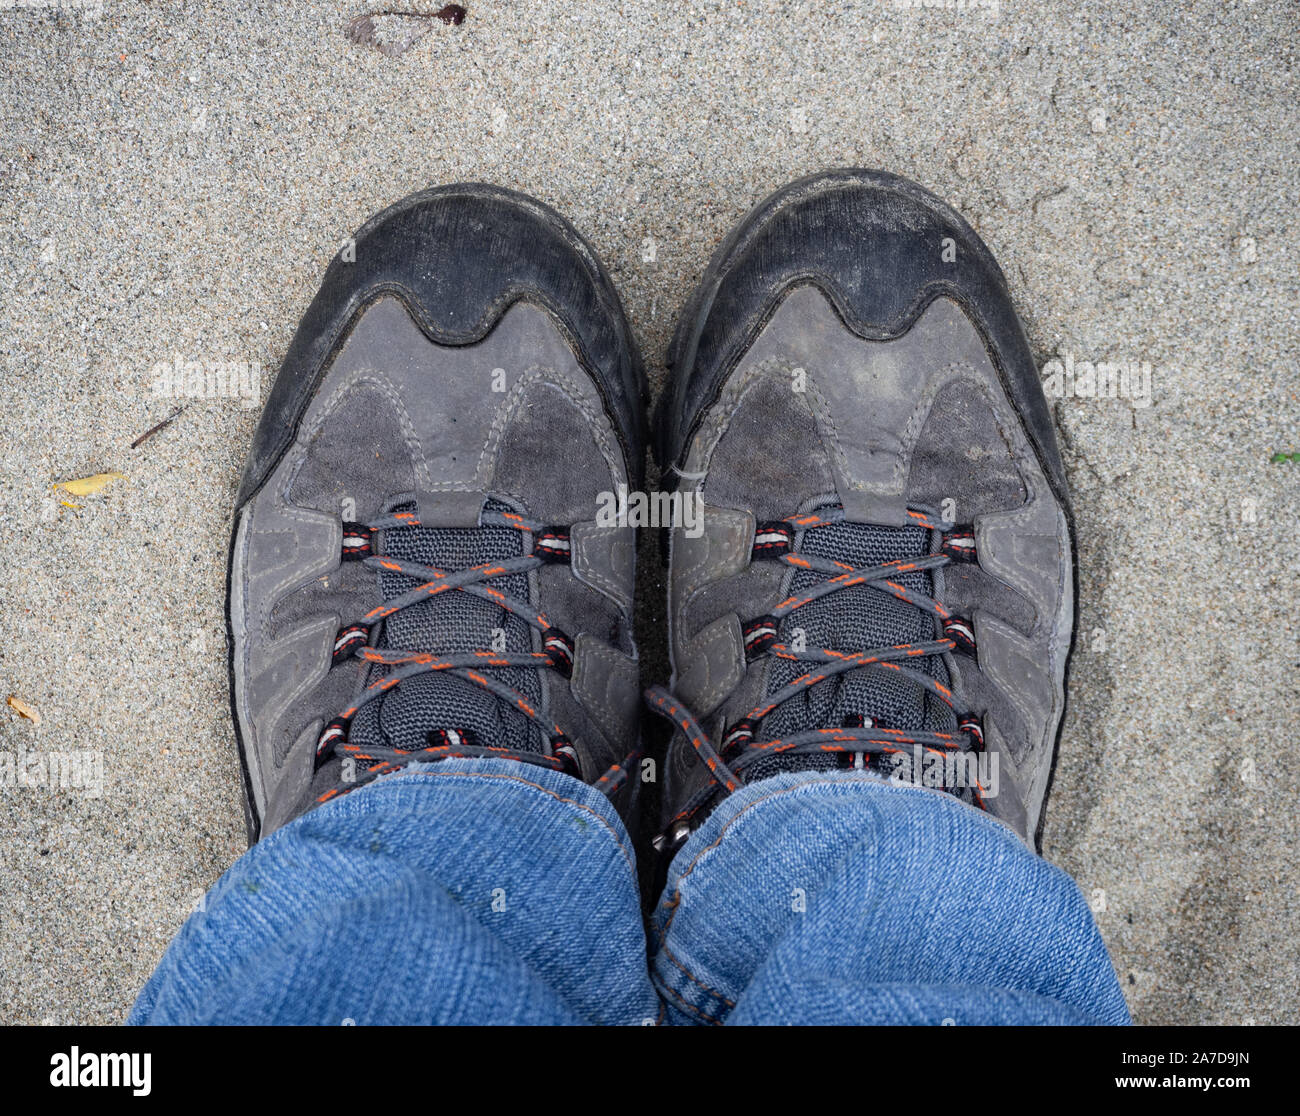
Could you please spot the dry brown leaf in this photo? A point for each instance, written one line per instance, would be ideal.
(24, 710)
(88, 486)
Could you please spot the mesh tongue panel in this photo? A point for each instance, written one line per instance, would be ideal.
(856, 619)
(451, 622)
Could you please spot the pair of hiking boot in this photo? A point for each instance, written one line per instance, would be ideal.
(880, 577)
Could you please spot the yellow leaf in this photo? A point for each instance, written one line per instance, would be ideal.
(88, 486)
(24, 710)
(69, 504)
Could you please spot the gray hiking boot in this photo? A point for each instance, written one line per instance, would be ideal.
(416, 570)
(885, 576)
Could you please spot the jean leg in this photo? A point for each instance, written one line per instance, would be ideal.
(843, 898)
(468, 891)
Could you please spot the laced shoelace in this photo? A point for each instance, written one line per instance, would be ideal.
(550, 545)
(739, 749)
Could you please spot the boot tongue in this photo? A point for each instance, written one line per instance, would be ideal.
(855, 619)
(451, 622)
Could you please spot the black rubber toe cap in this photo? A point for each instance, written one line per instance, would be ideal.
(459, 257)
(882, 248)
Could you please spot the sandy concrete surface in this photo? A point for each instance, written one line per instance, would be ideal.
(174, 179)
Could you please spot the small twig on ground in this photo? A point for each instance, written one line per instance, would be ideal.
(154, 429)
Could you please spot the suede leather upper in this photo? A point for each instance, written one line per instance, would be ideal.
(505, 407)
(793, 399)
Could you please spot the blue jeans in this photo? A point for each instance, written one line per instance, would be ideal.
(484, 891)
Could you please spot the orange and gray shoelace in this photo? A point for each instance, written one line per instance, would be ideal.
(739, 748)
(550, 545)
